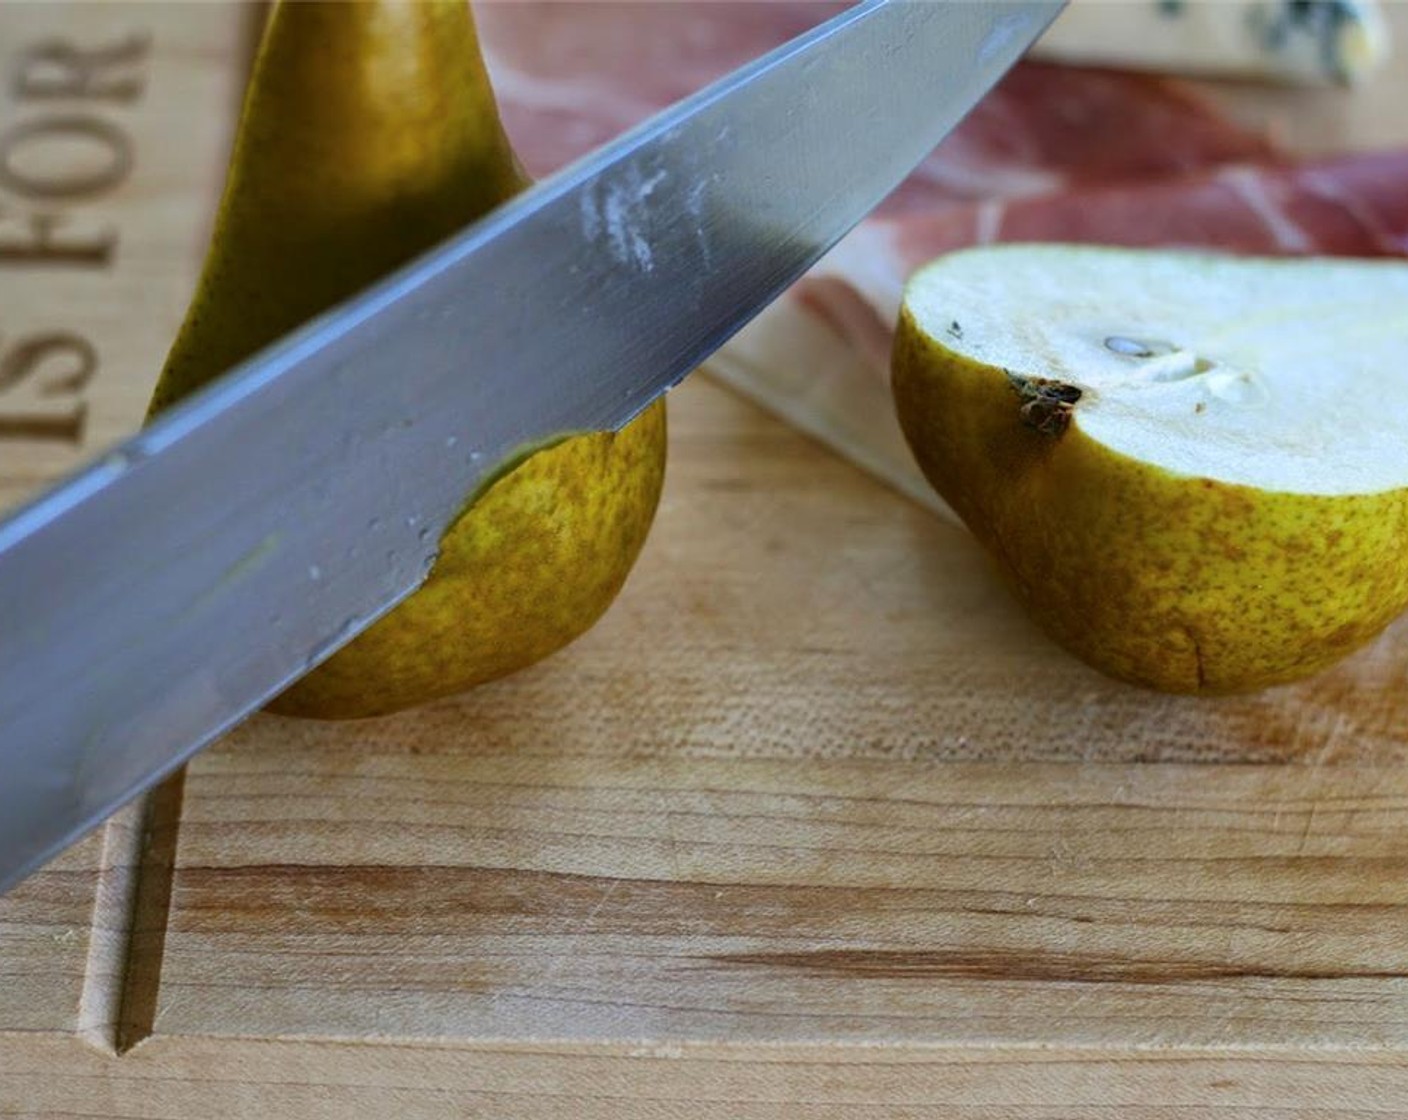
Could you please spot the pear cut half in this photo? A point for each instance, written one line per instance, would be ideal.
(1191, 468)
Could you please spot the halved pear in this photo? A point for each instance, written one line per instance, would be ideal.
(1192, 468)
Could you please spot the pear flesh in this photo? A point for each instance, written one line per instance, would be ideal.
(370, 133)
(1189, 467)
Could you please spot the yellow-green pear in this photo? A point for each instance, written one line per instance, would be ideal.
(369, 134)
(1191, 468)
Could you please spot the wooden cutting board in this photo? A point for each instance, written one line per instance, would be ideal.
(813, 823)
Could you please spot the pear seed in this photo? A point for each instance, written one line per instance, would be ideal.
(1134, 348)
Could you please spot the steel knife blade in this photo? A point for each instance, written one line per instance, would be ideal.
(161, 594)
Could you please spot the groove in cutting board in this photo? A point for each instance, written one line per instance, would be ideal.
(110, 933)
(117, 1007)
(141, 977)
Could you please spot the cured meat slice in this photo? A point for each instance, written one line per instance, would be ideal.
(558, 68)
(1046, 128)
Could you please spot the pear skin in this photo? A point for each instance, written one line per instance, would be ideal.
(1165, 579)
(369, 134)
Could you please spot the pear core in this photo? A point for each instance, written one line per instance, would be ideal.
(1276, 375)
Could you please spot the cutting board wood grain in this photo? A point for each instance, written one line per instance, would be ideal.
(813, 820)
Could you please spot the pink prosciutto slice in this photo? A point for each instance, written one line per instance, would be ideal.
(571, 75)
